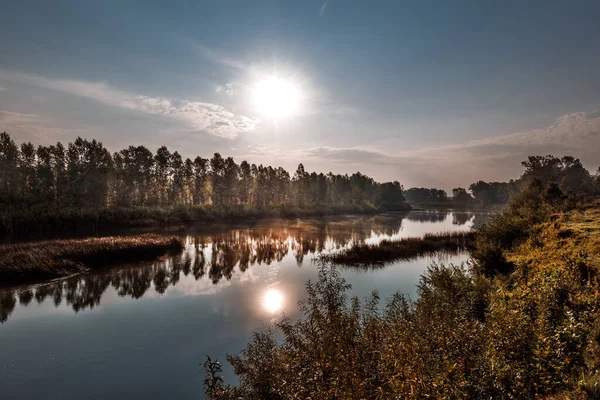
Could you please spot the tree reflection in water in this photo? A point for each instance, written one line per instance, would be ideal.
(217, 255)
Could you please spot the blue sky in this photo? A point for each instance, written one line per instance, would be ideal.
(428, 93)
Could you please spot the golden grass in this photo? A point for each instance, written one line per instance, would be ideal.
(57, 258)
(569, 235)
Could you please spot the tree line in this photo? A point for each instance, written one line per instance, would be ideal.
(567, 173)
(436, 196)
(85, 174)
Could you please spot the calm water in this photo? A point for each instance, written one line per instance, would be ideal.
(140, 331)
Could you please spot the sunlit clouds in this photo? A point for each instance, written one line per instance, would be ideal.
(204, 116)
(211, 118)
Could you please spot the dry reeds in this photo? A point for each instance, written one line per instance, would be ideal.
(57, 258)
(405, 249)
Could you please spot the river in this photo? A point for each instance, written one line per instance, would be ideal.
(141, 330)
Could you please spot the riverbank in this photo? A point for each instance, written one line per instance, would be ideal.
(39, 221)
(59, 258)
(521, 321)
(387, 251)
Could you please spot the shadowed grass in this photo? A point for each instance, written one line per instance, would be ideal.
(387, 251)
(57, 258)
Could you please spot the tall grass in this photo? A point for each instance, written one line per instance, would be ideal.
(387, 251)
(57, 258)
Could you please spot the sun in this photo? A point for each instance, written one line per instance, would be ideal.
(276, 98)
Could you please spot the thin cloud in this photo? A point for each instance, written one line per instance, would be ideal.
(32, 127)
(494, 159)
(201, 116)
(342, 155)
(2, 89)
(323, 8)
(350, 155)
(229, 89)
(571, 130)
(208, 117)
(576, 134)
(219, 58)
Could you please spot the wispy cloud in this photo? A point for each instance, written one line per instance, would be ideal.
(219, 58)
(32, 127)
(228, 88)
(2, 89)
(493, 158)
(574, 130)
(202, 116)
(323, 8)
(348, 155)
(208, 117)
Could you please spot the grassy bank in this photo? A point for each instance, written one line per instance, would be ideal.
(366, 255)
(57, 258)
(37, 221)
(522, 322)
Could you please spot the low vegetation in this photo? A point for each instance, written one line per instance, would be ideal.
(521, 321)
(58, 258)
(368, 255)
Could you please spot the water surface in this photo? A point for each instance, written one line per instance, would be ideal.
(140, 330)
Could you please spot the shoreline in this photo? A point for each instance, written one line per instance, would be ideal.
(44, 223)
(51, 259)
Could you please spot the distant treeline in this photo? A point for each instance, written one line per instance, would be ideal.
(567, 172)
(84, 174)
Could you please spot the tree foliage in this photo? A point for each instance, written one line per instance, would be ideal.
(424, 195)
(86, 174)
(567, 173)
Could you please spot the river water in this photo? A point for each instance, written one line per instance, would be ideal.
(141, 330)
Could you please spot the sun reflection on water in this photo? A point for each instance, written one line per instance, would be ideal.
(273, 300)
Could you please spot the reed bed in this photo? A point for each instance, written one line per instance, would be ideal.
(387, 251)
(58, 258)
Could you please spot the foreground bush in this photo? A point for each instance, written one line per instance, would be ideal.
(465, 337)
(358, 351)
(520, 322)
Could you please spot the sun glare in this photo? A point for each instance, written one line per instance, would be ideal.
(276, 98)
(273, 300)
